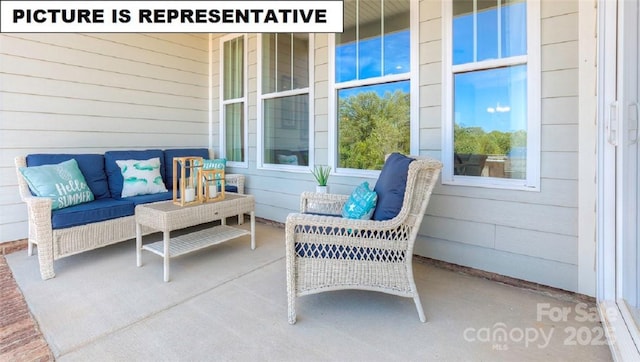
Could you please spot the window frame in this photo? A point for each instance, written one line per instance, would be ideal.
(532, 60)
(281, 94)
(412, 76)
(243, 99)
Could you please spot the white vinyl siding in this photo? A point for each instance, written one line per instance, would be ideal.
(89, 93)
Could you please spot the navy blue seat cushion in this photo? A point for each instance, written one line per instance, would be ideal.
(97, 210)
(180, 152)
(114, 174)
(144, 199)
(391, 185)
(91, 166)
(230, 188)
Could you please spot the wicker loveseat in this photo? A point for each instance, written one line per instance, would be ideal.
(325, 252)
(107, 219)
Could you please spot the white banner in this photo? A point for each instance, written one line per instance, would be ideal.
(301, 16)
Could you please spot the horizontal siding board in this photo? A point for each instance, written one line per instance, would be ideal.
(60, 105)
(559, 138)
(550, 9)
(38, 122)
(66, 89)
(560, 56)
(560, 110)
(467, 232)
(560, 83)
(537, 270)
(430, 117)
(553, 192)
(14, 231)
(53, 139)
(553, 219)
(70, 73)
(558, 29)
(109, 63)
(90, 43)
(158, 44)
(543, 245)
(192, 40)
(13, 213)
(9, 194)
(559, 165)
(8, 177)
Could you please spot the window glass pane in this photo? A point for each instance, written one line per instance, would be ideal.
(234, 129)
(278, 61)
(372, 122)
(346, 45)
(487, 29)
(283, 64)
(490, 129)
(514, 28)
(269, 63)
(233, 68)
(462, 31)
(286, 130)
(300, 61)
(396, 36)
(369, 39)
(370, 47)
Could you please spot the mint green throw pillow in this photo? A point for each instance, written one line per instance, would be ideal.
(215, 164)
(63, 183)
(141, 177)
(361, 203)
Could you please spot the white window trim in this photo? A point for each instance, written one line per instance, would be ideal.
(413, 76)
(532, 60)
(261, 97)
(223, 102)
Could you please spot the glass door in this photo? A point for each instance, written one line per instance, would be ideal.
(618, 210)
(628, 250)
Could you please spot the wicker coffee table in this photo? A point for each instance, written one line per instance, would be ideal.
(165, 216)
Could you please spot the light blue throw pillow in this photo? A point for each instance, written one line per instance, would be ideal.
(63, 183)
(215, 164)
(141, 177)
(361, 203)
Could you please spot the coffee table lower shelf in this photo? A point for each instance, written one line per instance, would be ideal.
(187, 243)
(183, 244)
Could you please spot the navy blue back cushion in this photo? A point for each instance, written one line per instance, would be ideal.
(114, 174)
(91, 166)
(390, 186)
(180, 152)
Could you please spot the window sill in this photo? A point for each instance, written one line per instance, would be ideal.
(491, 182)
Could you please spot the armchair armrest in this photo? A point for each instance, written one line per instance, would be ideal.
(328, 204)
(235, 179)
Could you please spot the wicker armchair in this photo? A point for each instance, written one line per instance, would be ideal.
(325, 253)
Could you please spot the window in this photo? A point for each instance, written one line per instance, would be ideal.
(233, 89)
(372, 81)
(491, 119)
(285, 98)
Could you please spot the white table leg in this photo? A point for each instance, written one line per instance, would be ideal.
(138, 245)
(253, 230)
(165, 237)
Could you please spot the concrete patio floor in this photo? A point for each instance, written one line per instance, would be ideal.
(228, 302)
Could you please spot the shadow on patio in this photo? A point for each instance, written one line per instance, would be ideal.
(228, 302)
